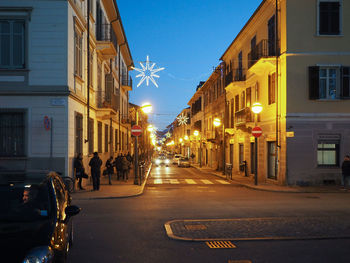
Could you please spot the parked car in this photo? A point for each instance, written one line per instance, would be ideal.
(176, 158)
(184, 162)
(36, 217)
(162, 160)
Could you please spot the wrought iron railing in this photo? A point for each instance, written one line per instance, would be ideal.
(126, 81)
(104, 32)
(243, 116)
(106, 99)
(240, 75)
(228, 78)
(262, 50)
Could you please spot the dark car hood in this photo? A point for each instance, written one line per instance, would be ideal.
(17, 238)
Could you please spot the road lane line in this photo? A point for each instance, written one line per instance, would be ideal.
(190, 181)
(222, 182)
(158, 181)
(174, 181)
(206, 181)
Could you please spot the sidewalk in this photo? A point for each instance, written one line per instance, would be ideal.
(118, 189)
(249, 183)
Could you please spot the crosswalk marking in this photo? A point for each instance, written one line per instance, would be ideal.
(158, 181)
(207, 181)
(190, 181)
(223, 182)
(174, 181)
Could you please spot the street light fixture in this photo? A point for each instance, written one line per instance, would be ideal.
(256, 108)
(217, 122)
(146, 108)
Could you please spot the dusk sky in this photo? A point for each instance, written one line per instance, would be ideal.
(187, 37)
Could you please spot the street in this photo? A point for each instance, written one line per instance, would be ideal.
(133, 229)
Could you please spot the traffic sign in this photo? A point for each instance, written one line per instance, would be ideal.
(47, 123)
(256, 131)
(136, 130)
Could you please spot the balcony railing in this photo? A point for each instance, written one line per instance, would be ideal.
(107, 100)
(239, 75)
(262, 50)
(243, 116)
(126, 81)
(104, 32)
(228, 78)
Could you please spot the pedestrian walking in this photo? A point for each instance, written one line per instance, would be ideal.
(79, 169)
(125, 168)
(118, 166)
(345, 168)
(95, 164)
(110, 169)
(129, 158)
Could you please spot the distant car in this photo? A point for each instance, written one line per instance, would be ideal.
(176, 158)
(162, 160)
(184, 162)
(35, 217)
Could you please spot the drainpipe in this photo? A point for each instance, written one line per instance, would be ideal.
(88, 71)
(278, 146)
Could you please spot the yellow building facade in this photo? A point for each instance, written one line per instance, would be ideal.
(293, 57)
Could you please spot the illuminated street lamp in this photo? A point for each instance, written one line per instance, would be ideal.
(196, 133)
(145, 108)
(256, 108)
(217, 122)
(186, 138)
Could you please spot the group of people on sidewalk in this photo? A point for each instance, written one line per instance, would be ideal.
(122, 164)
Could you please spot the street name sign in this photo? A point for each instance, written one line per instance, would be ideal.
(136, 130)
(256, 131)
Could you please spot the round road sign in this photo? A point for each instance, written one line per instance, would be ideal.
(256, 131)
(136, 130)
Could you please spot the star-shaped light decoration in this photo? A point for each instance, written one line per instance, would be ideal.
(168, 135)
(182, 119)
(147, 72)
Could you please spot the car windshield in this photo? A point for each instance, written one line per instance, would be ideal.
(24, 202)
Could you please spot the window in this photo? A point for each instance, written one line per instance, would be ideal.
(328, 153)
(106, 138)
(78, 133)
(91, 65)
(232, 113)
(272, 88)
(236, 103)
(99, 136)
(242, 100)
(12, 133)
(329, 17)
(271, 28)
(240, 153)
(91, 136)
(329, 83)
(12, 38)
(116, 140)
(78, 47)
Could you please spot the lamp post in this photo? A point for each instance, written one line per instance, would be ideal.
(196, 133)
(146, 108)
(256, 108)
(217, 123)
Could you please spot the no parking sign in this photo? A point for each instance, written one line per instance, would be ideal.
(47, 123)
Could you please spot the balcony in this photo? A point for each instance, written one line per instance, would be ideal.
(107, 100)
(262, 52)
(239, 75)
(107, 44)
(126, 82)
(243, 116)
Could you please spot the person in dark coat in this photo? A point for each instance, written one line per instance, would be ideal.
(125, 168)
(79, 169)
(95, 164)
(129, 158)
(345, 168)
(110, 169)
(118, 166)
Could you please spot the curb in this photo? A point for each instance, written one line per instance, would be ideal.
(140, 192)
(171, 235)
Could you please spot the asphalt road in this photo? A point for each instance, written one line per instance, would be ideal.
(132, 229)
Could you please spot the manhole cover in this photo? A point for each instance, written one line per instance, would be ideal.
(195, 227)
(220, 244)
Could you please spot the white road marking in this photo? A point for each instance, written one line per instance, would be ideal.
(207, 181)
(174, 181)
(190, 181)
(223, 182)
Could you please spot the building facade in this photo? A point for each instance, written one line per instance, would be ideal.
(294, 59)
(61, 95)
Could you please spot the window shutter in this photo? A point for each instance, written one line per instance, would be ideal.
(314, 90)
(108, 87)
(345, 83)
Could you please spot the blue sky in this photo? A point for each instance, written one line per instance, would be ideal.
(187, 37)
